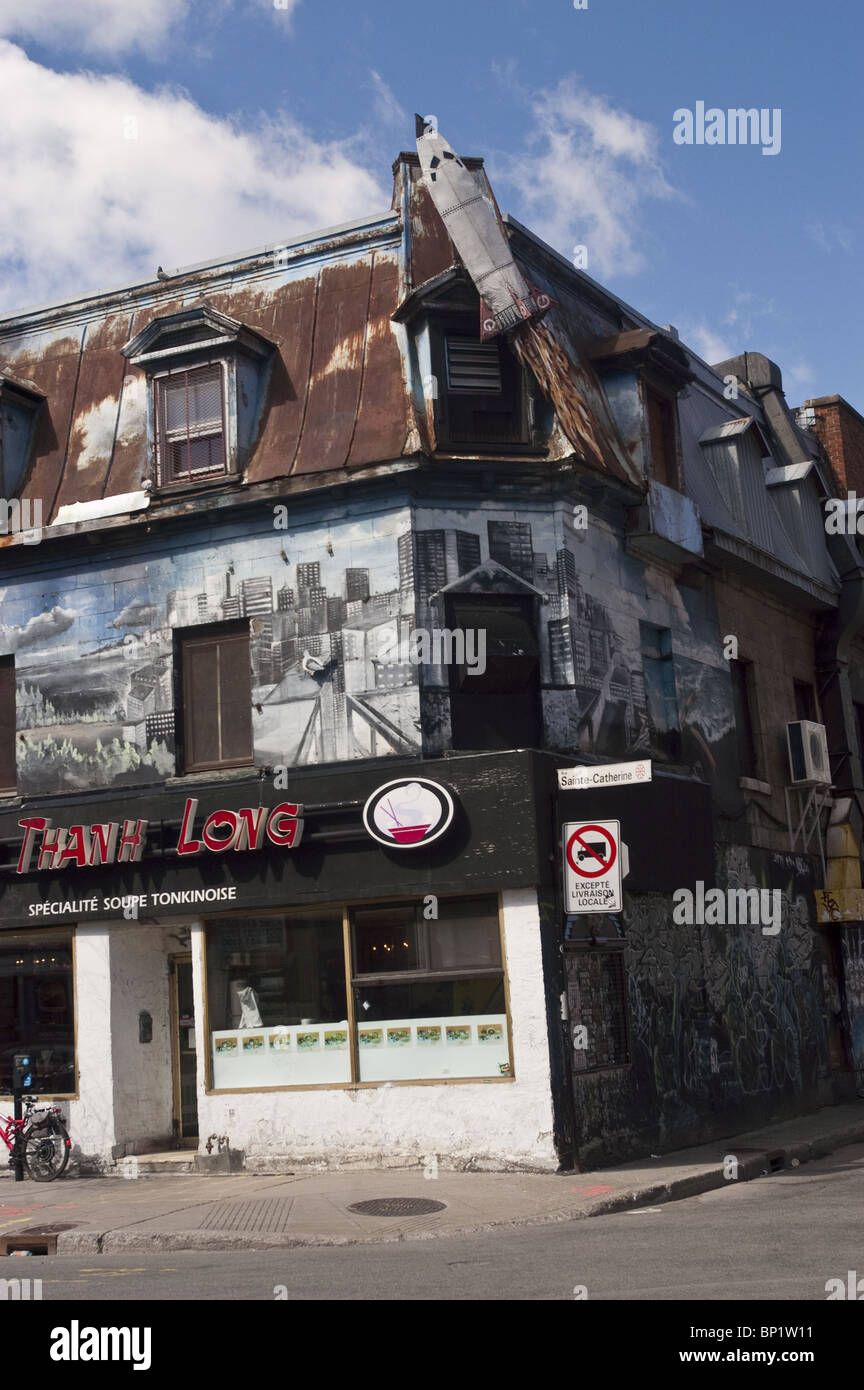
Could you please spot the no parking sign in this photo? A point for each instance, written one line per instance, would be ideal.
(592, 866)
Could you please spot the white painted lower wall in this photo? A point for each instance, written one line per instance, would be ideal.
(91, 1116)
(497, 1125)
(124, 1102)
(143, 1101)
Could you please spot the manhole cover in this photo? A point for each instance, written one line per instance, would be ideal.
(397, 1206)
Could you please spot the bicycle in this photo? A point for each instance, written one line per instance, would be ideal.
(41, 1140)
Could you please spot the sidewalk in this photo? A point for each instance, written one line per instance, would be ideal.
(191, 1212)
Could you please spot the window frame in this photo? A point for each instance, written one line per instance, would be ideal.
(746, 696)
(451, 323)
(184, 640)
(66, 937)
(157, 381)
(804, 694)
(669, 472)
(468, 694)
(355, 1084)
(420, 973)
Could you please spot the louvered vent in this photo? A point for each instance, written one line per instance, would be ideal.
(473, 366)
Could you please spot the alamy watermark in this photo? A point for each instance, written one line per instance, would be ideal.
(851, 1288)
(844, 516)
(442, 646)
(736, 126)
(22, 517)
(719, 907)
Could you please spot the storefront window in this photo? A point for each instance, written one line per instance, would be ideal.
(37, 1011)
(427, 995)
(276, 1001)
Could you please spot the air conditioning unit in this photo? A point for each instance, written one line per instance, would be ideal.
(808, 754)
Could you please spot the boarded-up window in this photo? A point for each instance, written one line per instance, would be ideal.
(661, 432)
(596, 998)
(8, 778)
(190, 413)
(217, 701)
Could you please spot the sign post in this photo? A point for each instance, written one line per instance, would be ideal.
(592, 866)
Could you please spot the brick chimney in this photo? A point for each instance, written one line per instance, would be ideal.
(840, 430)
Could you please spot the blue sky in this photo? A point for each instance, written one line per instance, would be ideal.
(162, 132)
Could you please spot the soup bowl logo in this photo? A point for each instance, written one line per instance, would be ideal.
(408, 813)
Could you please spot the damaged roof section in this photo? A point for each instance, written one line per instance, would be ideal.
(335, 398)
(547, 348)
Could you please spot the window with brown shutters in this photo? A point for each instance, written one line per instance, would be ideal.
(217, 701)
(8, 773)
(190, 413)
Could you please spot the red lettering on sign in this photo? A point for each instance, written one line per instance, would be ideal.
(132, 840)
(52, 842)
(77, 847)
(213, 842)
(293, 829)
(251, 831)
(104, 843)
(188, 846)
(33, 827)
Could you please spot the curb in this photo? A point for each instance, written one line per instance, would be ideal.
(752, 1165)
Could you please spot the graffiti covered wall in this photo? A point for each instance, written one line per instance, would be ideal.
(728, 1027)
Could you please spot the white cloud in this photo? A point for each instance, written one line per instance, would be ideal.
(386, 105)
(38, 630)
(97, 26)
(830, 236)
(799, 376)
(586, 172)
(85, 207)
(136, 614)
(707, 343)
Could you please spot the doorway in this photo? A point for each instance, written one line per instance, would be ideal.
(184, 1053)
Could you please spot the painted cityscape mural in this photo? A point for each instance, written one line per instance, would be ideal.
(329, 608)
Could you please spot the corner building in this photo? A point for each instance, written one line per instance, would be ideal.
(269, 883)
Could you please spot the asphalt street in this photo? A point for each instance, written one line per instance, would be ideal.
(781, 1236)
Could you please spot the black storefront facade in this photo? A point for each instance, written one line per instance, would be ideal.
(333, 995)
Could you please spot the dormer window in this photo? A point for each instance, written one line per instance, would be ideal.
(645, 370)
(19, 406)
(484, 401)
(190, 411)
(478, 397)
(207, 375)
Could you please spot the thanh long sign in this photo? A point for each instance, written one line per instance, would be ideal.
(122, 842)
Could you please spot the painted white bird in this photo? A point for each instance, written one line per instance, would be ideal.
(311, 664)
